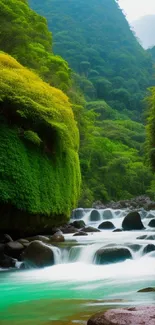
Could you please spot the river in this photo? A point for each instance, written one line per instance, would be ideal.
(75, 288)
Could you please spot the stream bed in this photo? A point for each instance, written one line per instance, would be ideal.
(75, 288)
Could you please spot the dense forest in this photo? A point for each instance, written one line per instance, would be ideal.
(96, 40)
(113, 72)
(85, 81)
(39, 139)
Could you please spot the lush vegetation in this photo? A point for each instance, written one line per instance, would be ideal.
(113, 71)
(150, 143)
(96, 40)
(24, 35)
(39, 139)
(110, 73)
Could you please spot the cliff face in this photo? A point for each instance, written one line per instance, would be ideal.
(39, 165)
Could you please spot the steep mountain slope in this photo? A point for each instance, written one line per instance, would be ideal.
(145, 30)
(95, 38)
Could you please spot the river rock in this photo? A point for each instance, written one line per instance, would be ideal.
(152, 223)
(13, 249)
(5, 238)
(78, 213)
(80, 233)
(44, 239)
(112, 255)
(94, 215)
(148, 248)
(78, 224)
(69, 229)
(117, 230)
(90, 229)
(141, 201)
(57, 238)
(132, 221)
(23, 241)
(142, 237)
(38, 254)
(7, 261)
(147, 237)
(107, 214)
(125, 316)
(106, 225)
(149, 289)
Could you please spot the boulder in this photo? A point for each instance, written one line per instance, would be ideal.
(78, 213)
(132, 221)
(69, 229)
(80, 233)
(38, 254)
(125, 316)
(24, 242)
(90, 229)
(78, 224)
(94, 215)
(13, 249)
(4, 239)
(149, 289)
(148, 248)
(142, 237)
(152, 223)
(57, 238)
(107, 214)
(7, 261)
(44, 239)
(106, 225)
(110, 255)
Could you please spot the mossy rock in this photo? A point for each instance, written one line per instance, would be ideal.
(39, 140)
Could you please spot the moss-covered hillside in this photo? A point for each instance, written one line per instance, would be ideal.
(39, 166)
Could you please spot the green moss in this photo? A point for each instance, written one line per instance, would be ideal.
(41, 175)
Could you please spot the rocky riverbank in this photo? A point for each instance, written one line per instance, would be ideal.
(41, 251)
(142, 201)
(125, 316)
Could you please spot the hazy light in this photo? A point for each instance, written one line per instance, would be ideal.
(134, 9)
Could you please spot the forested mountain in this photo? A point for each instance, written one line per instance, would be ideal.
(39, 140)
(109, 76)
(96, 40)
(144, 29)
(112, 71)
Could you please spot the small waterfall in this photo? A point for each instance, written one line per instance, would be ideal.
(57, 255)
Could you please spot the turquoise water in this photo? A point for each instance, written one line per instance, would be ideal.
(74, 289)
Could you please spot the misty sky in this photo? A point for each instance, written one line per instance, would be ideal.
(135, 9)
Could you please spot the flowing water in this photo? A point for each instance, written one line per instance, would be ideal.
(75, 288)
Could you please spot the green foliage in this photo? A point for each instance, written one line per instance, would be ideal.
(39, 172)
(32, 137)
(25, 36)
(96, 40)
(111, 154)
(150, 144)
